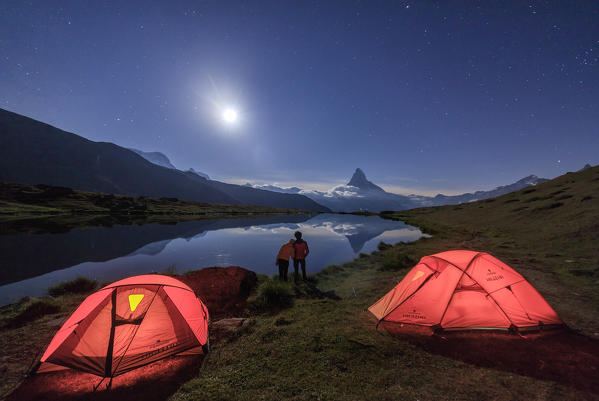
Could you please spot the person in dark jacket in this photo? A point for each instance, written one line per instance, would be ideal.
(301, 251)
(287, 251)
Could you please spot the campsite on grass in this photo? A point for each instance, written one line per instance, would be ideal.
(538, 304)
(334, 200)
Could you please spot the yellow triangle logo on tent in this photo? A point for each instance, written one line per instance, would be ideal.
(134, 300)
(418, 274)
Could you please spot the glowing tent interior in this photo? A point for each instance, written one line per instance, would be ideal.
(465, 290)
(129, 324)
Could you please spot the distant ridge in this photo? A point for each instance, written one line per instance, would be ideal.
(440, 199)
(32, 152)
(155, 157)
(289, 190)
(161, 159)
(203, 175)
(361, 194)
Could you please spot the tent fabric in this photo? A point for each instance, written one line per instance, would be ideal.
(150, 279)
(465, 290)
(128, 324)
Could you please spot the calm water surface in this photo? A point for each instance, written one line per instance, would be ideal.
(32, 263)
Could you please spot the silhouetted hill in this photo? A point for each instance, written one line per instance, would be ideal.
(32, 152)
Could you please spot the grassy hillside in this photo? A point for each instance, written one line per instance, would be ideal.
(550, 231)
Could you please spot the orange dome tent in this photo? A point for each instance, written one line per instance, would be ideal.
(465, 290)
(128, 324)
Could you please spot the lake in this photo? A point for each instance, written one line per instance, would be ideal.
(33, 262)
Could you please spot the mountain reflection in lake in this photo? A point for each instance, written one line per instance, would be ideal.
(32, 263)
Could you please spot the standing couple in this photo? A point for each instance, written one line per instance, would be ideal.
(298, 250)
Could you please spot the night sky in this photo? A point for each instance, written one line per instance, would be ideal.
(423, 96)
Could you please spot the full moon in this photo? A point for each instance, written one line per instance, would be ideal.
(230, 115)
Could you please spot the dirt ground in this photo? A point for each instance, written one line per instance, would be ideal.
(559, 355)
(224, 290)
(156, 381)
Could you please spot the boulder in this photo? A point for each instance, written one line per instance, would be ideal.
(224, 290)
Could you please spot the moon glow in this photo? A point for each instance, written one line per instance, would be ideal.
(230, 115)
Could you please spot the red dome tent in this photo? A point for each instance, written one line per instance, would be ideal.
(128, 324)
(465, 290)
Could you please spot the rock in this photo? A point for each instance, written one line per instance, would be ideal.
(230, 324)
(56, 322)
(224, 290)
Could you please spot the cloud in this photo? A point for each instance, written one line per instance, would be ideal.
(330, 187)
(323, 186)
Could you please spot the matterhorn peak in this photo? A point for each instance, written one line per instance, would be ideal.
(359, 180)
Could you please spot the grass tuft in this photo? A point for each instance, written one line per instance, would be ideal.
(273, 294)
(169, 270)
(35, 309)
(383, 246)
(397, 260)
(80, 285)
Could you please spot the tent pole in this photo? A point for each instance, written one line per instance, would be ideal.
(98, 385)
(108, 361)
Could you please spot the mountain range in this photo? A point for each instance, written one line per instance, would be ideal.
(32, 152)
(441, 200)
(361, 194)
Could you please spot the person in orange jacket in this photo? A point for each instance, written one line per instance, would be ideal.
(287, 251)
(301, 251)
